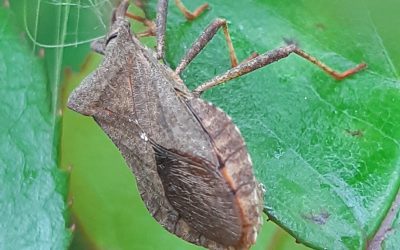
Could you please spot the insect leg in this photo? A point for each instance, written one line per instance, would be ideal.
(188, 14)
(202, 41)
(335, 74)
(150, 25)
(268, 58)
(161, 20)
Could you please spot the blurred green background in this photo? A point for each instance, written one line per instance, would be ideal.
(107, 212)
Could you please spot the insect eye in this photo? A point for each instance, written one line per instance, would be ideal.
(111, 36)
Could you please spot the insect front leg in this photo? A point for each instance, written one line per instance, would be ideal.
(161, 23)
(187, 13)
(161, 20)
(151, 27)
(268, 58)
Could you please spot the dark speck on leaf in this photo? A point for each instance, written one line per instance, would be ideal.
(320, 218)
(355, 133)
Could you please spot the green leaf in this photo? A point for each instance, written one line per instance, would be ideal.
(33, 189)
(327, 152)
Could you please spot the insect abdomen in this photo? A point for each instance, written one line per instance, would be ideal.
(235, 166)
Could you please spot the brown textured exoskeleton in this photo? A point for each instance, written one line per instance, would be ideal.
(190, 161)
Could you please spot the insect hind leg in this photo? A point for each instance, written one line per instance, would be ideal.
(271, 57)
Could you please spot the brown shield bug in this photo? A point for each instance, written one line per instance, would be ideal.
(190, 161)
